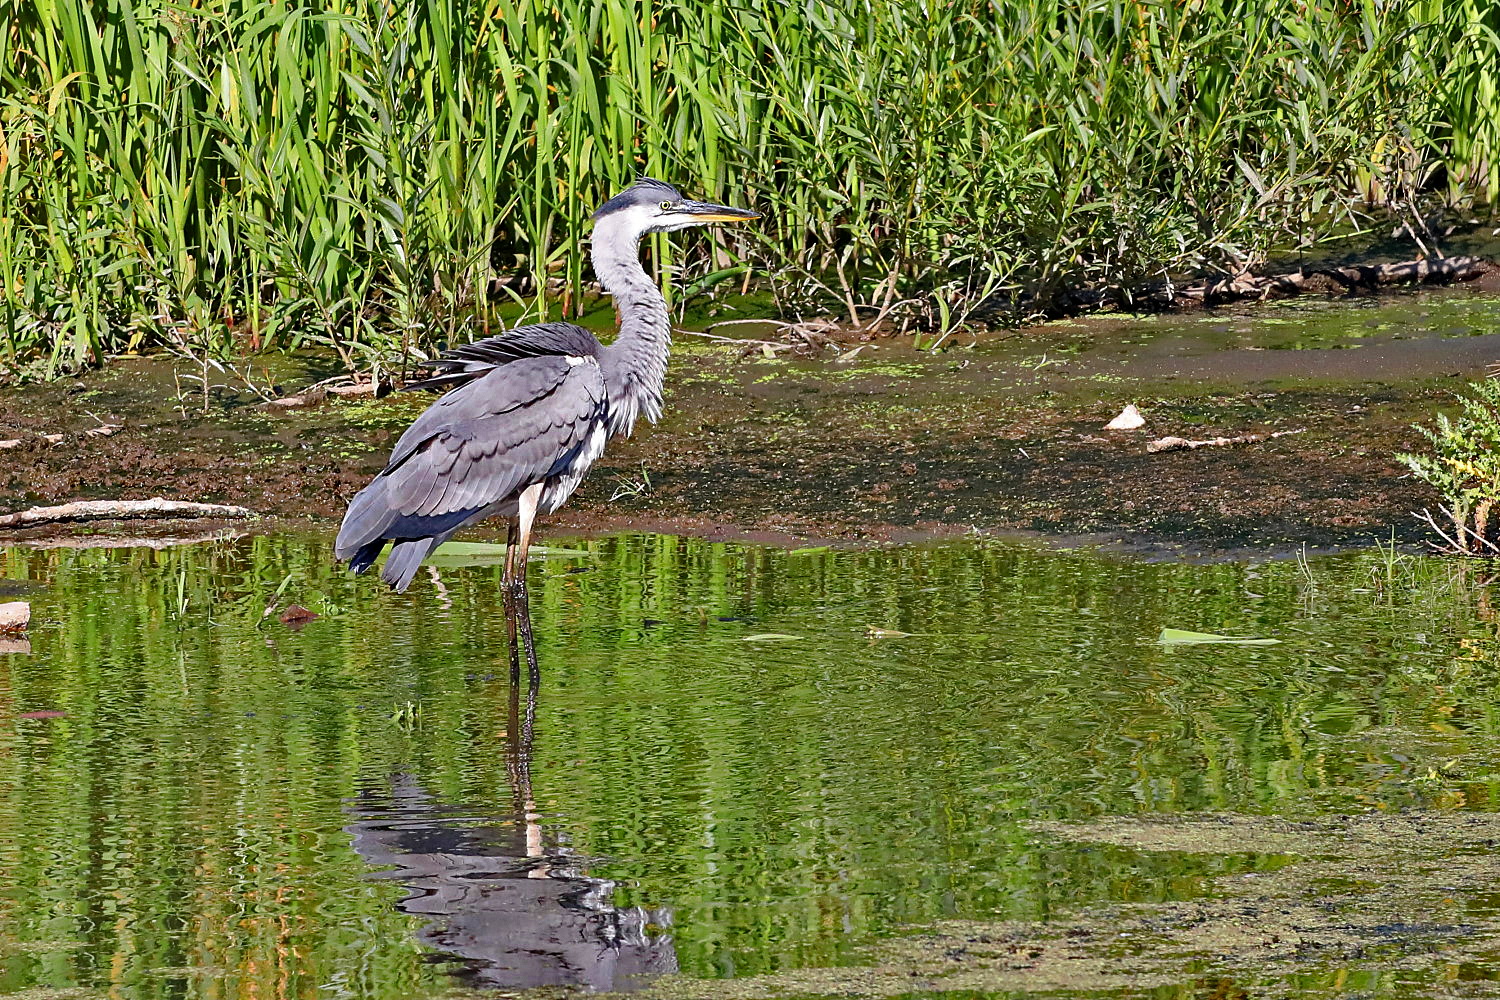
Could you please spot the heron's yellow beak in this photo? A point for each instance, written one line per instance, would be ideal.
(703, 211)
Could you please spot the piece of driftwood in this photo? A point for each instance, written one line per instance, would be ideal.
(103, 430)
(1358, 278)
(117, 510)
(1184, 444)
(340, 386)
(1245, 286)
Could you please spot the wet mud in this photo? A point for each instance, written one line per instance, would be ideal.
(1003, 435)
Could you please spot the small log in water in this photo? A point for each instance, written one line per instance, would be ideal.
(116, 510)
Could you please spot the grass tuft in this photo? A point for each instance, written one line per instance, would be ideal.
(381, 177)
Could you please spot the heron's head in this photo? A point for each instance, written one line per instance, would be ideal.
(652, 206)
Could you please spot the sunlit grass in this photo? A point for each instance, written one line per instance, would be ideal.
(242, 174)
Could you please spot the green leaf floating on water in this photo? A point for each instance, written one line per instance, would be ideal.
(1182, 637)
(770, 637)
(492, 553)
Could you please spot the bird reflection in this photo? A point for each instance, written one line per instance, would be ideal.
(505, 897)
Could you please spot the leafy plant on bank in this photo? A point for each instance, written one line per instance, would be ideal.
(1464, 467)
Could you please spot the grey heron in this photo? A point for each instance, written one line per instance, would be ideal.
(528, 412)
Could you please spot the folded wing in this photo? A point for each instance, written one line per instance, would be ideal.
(507, 427)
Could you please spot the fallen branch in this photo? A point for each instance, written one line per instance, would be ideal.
(343, 386)
(118, 510)
(1245, 287)
(1364, 277)
(813, 336)
(103, 430)
(1184, 444)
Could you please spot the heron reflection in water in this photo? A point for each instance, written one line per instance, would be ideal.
(504, 897)
(527, 414)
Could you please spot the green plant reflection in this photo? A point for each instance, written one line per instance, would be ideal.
(183, 829)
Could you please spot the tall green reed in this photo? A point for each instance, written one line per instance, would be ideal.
(385, 177)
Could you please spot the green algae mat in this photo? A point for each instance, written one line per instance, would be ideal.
(956, 770)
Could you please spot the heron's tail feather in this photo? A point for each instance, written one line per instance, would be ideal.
(365, 524)
(364, 557)
(404, 561)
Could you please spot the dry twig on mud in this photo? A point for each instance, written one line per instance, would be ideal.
(116, 510)
(343, 386)
(742, 341)
(809, 337)
(1184, 444)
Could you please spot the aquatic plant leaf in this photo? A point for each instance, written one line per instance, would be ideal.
(492, 553)
(770, 637)
(886, 633)
(1183, 637)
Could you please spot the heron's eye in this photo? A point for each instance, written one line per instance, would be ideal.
(666, 206)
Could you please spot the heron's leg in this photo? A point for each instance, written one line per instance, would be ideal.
(525, 516)
(519, 732)
(507, 595)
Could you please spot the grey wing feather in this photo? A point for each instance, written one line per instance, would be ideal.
(514, 426)
(461, 364)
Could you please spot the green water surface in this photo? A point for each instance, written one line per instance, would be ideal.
(231, 807)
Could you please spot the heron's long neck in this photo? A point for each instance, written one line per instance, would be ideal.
(635, 365)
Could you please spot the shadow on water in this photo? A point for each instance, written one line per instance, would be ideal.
(502, 895)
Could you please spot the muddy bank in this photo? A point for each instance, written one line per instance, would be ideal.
(1004, 435)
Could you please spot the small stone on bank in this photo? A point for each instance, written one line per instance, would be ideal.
(14, 616)
(1129, 419)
